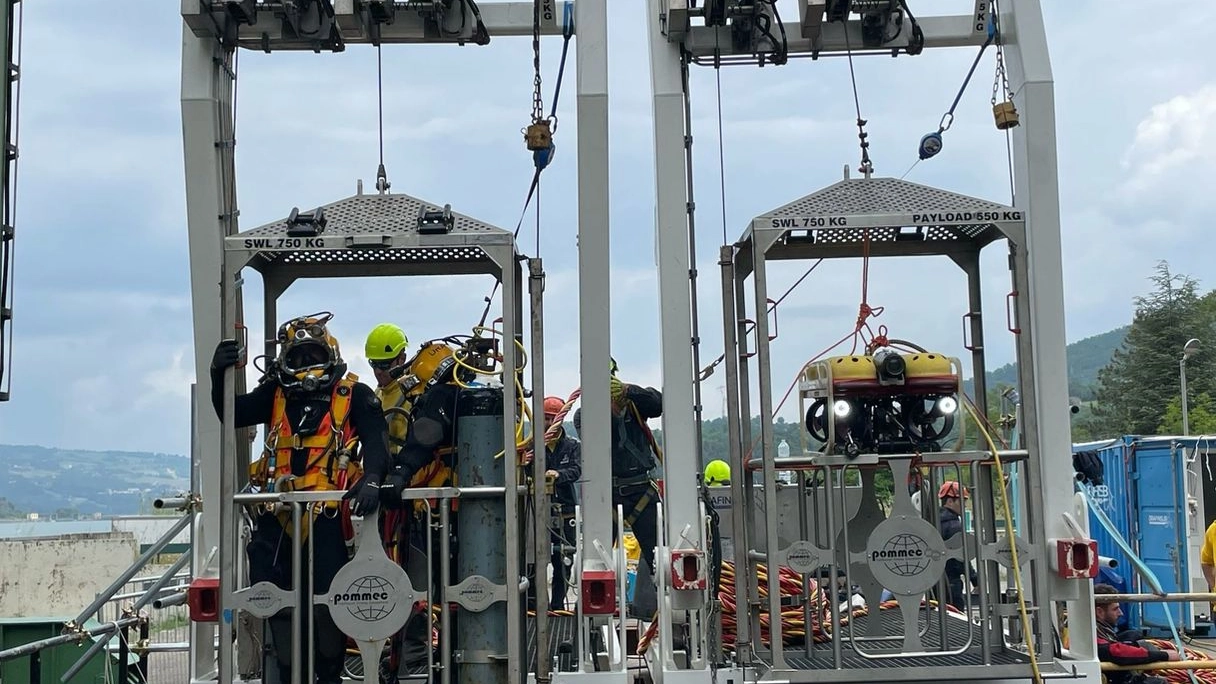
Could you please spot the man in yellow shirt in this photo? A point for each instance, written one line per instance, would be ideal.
(1207, 556)
(1207, 561)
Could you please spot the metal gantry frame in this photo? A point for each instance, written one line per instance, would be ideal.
(212, 32)
(370, 236)
(10, 33)
(1035, 264)
(882, 217)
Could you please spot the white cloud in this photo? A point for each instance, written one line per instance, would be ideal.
(1175, 139)
(103, 318)
(171, 380)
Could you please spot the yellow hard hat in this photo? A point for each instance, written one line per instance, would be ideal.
(717, 473)
(385, 342)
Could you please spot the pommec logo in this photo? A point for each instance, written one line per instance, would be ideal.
(905, 554)
(369, 598)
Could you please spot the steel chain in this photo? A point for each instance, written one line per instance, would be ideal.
(538, 106)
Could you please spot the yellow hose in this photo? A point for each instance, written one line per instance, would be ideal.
(1013, 547)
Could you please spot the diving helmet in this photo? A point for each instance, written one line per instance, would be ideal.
(309, 358)
(432, 365)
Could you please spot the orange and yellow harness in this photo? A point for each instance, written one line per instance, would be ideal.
(331, 460)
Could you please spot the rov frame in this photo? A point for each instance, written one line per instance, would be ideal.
(725, 32)
(888, 218)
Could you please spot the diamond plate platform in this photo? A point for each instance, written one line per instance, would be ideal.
(895, 666)
(859, 196)
(375, 235)
(563, 629)
(893, 216)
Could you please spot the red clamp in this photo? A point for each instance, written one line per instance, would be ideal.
(1076, 558)
(203, 598)
(688, 571)
(599, 592)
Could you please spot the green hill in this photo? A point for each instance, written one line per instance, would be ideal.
(1085, 358)
(65, 482)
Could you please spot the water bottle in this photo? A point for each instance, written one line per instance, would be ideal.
(783, 451)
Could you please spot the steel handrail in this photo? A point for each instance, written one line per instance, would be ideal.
(75, 636)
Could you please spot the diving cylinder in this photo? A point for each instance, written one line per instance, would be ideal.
(480, 639)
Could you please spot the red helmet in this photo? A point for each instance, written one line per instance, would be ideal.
(950, 489)
(553, 405)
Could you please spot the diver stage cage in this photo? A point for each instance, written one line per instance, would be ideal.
(398, 235)
(902, 551)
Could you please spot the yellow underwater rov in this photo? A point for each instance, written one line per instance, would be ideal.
(886, 403)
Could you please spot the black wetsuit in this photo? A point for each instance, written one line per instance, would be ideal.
(269, 548)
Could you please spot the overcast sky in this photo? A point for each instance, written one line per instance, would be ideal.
(103, 326)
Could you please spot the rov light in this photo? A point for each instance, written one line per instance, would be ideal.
(841, 408)
(947, 405)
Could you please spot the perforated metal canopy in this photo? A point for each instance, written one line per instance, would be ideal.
(375, 235)
(895, 217)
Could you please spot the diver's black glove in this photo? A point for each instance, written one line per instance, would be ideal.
(227, 353)
(365, 497)
(1088, 467)
(390, 491)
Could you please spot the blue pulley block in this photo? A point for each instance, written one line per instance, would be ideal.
(541, 158)
(930, 145)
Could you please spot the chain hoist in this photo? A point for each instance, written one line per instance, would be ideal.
(539, 134)
(1003, 110)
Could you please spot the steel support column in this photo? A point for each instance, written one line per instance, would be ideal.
(594, 281)
(1037, 195)
(511, 298)
(206, 101)
(542, 509)
(681, 505)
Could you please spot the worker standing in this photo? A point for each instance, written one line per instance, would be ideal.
(424, 459)
(315, 414)
(1207, 562)
(563, 466)
(385, 350)
(633, 458)
(950, 523)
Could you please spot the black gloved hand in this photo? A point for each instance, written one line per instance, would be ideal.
(227, 353)
(364, 496)
(390, 491)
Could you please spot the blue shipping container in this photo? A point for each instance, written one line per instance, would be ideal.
(1153, 492)
(1114, 497)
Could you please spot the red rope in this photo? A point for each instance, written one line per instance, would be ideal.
(556, 427)
(865, 312)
